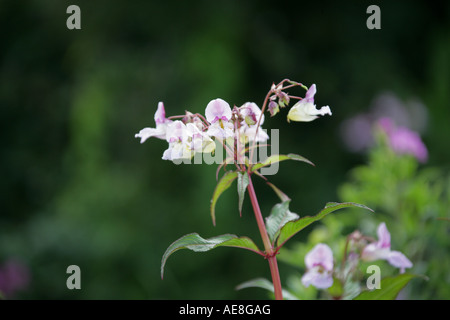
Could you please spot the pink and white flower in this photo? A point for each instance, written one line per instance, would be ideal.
(319, 264)
(218, 113)
(161, 126)
(186, 139)
(381, 250)
(250, 131)
(176, 136)
(197, 140)
(305, 110)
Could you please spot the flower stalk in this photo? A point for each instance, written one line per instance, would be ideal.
(270, 254)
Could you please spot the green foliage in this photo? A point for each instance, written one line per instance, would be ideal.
(77, 188)
(223, 184)
(279, 216)
(280, 157)
(196, 243)
(265, 284)
(390, 287)
(291, 228)
(242, 187)
(412, 200)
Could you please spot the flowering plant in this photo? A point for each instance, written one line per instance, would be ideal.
(239, 132)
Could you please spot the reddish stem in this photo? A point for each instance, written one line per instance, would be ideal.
(270, 254)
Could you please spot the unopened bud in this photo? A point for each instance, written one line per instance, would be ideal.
(273, 108)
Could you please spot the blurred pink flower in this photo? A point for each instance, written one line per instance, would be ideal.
(14, 276)
(319, 264)
(357, 131)
(404, 141)
(381, 250)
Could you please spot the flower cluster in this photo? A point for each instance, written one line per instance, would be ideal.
(195, 133)
(320, 265)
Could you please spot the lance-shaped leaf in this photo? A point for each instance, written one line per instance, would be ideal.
(223, 184)
(279, 216)
(283, 197)
(389, 288)
(293, 227)
(265, 284)
(280, 157)
(196, 243)
(242, 186)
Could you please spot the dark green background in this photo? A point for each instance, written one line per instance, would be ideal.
(78, 188)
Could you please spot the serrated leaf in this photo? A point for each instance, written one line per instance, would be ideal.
(196, 243)
(389, 288)
(280, 157)
(265, 284)
(242, 186)
(293, 227)
(223, 184)
(279, 216)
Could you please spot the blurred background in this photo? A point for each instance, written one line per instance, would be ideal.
(78, 189)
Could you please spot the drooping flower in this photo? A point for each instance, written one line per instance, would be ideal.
(319, 264)
(250, 131)
(305, 109)
(161, 126)
(218, 113)
(381, 250)
(404, 141)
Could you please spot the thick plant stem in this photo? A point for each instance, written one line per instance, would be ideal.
(270, 254)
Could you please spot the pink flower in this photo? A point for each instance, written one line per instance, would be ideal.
(218, 113)
(404, 141)
(161, 126)
(176, 136)
(216, 110)
(381, 250)
(185, 140)
(249, 126)
(319, 264)
(14, 276)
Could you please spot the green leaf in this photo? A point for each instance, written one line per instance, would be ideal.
(242, 186)
(265, 284)
(389, 288)
(279, 216)
(280, 157)
(337, 289)
(283, 197)
(196, 243)
(293, 227)
(223, 184)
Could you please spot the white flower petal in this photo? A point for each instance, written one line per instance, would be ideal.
(221, 129)
(306, 111)
(146, 133)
